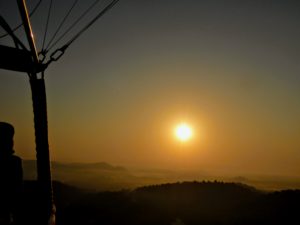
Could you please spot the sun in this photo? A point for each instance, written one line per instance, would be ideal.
(183, 132)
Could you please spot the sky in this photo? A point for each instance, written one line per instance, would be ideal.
(230, 69)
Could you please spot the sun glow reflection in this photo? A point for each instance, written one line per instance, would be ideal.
(183, 132)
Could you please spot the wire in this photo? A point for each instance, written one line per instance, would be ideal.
(30, 14)
(76, 22)
(47, 23)
(62, 22)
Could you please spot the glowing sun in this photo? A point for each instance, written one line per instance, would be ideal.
(183, 132)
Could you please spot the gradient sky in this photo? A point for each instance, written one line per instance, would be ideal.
(229, 68)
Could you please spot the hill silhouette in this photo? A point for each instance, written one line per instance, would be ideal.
(188, 203)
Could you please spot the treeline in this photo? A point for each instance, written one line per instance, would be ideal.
(189, 203)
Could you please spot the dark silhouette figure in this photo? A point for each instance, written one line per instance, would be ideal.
(11, 176)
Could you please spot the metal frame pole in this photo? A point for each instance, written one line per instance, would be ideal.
(46, 209)
(28, 30)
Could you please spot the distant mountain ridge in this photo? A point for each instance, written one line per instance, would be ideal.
(93, 176)
(31, 164)
(102, 176)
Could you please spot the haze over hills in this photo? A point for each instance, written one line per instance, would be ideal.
(103, 176)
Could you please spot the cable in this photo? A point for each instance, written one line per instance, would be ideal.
(9, 31)
(47, 23)
(60, 51)
(107, 8)
(62, 22)
(30, 14)
(71, 27)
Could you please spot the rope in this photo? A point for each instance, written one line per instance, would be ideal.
(30, 14)
(61, 24)
(76, 22)
(47, 23)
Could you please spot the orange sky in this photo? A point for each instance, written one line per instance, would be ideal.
(230, 70)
